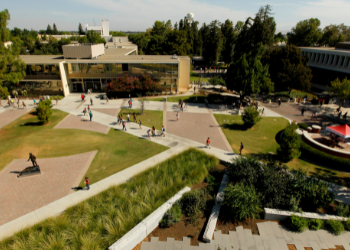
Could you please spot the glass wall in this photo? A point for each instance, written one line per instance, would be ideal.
(42, 87)
(43, 71)
(113, 70)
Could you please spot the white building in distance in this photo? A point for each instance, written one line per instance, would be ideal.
(103, 30)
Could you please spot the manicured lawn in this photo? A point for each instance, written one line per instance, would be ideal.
(101, 220)
(189, 99)
(157, 99)
(258, 140)
(149, 118)
(116, 150)
(195, 77)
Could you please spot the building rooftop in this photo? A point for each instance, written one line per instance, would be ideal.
(110, 56)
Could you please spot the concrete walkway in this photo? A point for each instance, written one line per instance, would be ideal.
(271, 237)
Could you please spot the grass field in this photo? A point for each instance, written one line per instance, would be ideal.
(116, 150)
(260, 140)
(195, 77)
(99, 221)
(149, 118)
(189, 99)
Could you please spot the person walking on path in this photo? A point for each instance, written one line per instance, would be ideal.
(89, 108)
(263, 112)
(140, 123)
(135, 120)
(124, 127)
(84, 111)
(24, 105)
(241, 148)
(153, 131)
(185, 104)
(149, 133)
(163, 131)
(131, 103)
(107, 100)
(279, 102)
(56, 101)
(208, 142)
(177, 116)
(128, 117)
(121, 118)
(87, 182)
(194, 89)
(302, 111)
(91, 115)
(91, 101)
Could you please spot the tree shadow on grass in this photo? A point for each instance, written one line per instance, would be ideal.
(32, 124)
(235, 126)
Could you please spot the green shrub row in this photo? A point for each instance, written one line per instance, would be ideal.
(101, 220)
(300, 224)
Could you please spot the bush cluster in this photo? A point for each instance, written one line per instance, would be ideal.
(298, 224)
(44, 111)
(172, 216)
(277, 187)
(250, 117)
(193, 203)
(334, 226)
(316, 224)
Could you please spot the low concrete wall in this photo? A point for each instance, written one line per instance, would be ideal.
(210, 228)
(145, 227)
(308, 140)
(277, 214)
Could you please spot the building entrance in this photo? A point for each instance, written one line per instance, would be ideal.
(77, 87)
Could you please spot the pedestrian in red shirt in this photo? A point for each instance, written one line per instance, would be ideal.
(87, 182)
(208, 142)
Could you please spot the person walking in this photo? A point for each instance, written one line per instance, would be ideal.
(149, 134)
(128, 117)
(153, 131)
(194, 89)
(208, 142)
(121, 118)
(263, 112)
(135, 120)
(24, 105)
(87, 182)
(89, 108)
(91, 115)
(163, 131)
(124, 127)
(56, 101)
(140, 123)
(84, 111)
(302, 111)
(130, 102)
(177, 116)
(241, 148)
(107, 100)
(279, 102)
(91, 101)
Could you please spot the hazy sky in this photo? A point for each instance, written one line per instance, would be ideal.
(138, 15)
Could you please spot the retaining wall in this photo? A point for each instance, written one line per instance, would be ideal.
(277, 214)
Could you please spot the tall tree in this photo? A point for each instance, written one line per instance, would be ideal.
(49, 30)
(81, 30)
(248, 75)
(54, 31)
(305, 33)
(12, 68)
(94, 37)
(158, 29)
(228, 41)
(212, 45)
(239, 26)
(288, 69)
(331, 35)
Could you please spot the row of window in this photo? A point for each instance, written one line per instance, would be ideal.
(113, 70)
(328, 59)
(40, 71)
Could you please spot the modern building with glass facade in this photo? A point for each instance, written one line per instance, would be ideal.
(50, 74)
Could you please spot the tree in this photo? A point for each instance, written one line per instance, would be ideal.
(54, 31)
(290, 144)
(217, 81)
(248, 75)
(212, 43)
(305, 33)
(94, 37)
(229, 40)
(331, 35)
(279, 37)
(250, 117)
(288, 69)
(340, 88)
(49, 30)
(44, 111)
(158, 28)
(80, 30)
(142, 100)
(12, 68)
(239, 26)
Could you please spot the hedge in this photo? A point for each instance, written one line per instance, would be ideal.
(323, 158)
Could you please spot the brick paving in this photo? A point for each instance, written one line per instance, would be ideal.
(107, 111)
(20, 196)
(12, 114)
(195, 126)
(81, 122)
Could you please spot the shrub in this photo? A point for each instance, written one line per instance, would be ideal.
(243, 201)
(346, 224)
(334, 226)
(290, 144)
(44, 111)
(343, 210)
(297, 223)
(303, 126)
(315, 224)
(172, 216)
(14, 92)
(217, 81)
(4, 92)
(193, 203)
(250, 117)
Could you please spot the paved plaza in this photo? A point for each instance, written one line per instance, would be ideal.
(20, 196)
(9, 114)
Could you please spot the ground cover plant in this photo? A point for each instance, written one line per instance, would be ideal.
(116, 150)
(101, 220)
(149, 118)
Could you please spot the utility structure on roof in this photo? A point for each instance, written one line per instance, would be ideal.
(103, 29)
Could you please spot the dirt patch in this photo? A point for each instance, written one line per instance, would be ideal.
(291, 247)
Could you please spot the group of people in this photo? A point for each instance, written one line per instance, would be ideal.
(182, 105)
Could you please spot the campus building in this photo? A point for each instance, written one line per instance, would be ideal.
(327, 63)
(93, 66)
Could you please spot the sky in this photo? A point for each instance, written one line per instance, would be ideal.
(138, 15)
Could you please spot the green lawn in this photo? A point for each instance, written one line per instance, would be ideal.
(260, 140)
(116, 150)
(101, 220)
(195, 77)
(189, 99)
(149, 118)
(157, 99)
